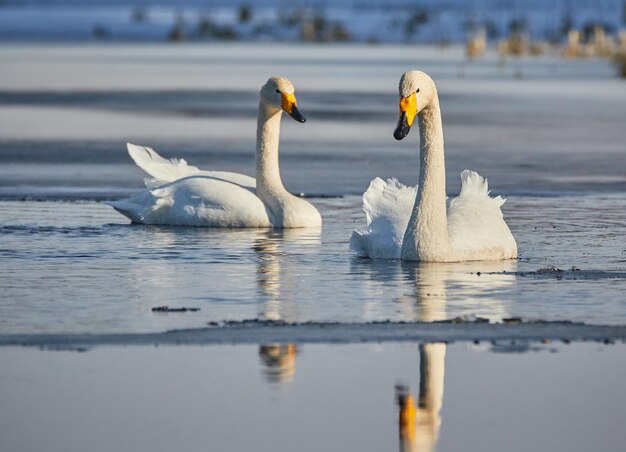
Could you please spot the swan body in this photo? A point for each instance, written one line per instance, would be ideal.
(196, 201)
(183, 195)
(421, 223)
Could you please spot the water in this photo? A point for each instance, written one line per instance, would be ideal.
(547, 132)
(540, 126)
(80, 267)
(285, 397)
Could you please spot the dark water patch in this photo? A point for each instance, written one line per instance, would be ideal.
(201, 154)
(570, 275)
(209, 103)
(167, 309)
(51, 151)
(80, 231)
(72, 152)
(119, 99)
(516, 347)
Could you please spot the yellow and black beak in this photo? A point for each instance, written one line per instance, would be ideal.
(289, 104)
(408, 110)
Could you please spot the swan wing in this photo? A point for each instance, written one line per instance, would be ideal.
(387, 205)
(196, 201)
(476, 226)
(165, 170)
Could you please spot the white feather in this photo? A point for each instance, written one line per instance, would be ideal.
(181, 194)
(196, 201)
(387, 206)
(165, 170)
(475, 220)
(423, 224)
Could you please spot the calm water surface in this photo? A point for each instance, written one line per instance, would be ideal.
(547, 132)
(80, 267)
(286, 397)
(71, 264)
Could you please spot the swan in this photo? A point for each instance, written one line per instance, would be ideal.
(420, 223)
(181, 194)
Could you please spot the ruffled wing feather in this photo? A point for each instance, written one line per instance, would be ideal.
(387, 205)
(165, 170)
(475, 221)
(476, 226)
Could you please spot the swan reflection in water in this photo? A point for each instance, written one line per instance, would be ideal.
(274, 279)
(434, 291)
(167, 258)
(419, 424)
(279, 362)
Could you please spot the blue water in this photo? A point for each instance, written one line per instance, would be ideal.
(71, 264)
(314, 397)
(80, 267)
(547, 132)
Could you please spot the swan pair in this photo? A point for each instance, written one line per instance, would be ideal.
(410, 223)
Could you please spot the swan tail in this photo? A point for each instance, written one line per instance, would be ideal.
(132, 211)
(387, 206)
(388, 199)
(162, 170)
(377, 244)
(474, 185)
(476, 222)
(358, 244)
(147, 206)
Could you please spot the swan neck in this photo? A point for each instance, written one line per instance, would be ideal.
(431, 139)
(426, 237)
(267, 168)
(432, 178)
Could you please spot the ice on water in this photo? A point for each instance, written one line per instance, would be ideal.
(548, 133)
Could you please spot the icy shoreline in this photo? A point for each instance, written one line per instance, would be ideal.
(260, 332)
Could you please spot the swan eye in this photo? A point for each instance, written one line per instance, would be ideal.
(418, 90)
(278, 91)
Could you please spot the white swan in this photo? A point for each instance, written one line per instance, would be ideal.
(180, 194)
(419, 223)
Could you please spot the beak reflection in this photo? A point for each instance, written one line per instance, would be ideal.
(279, 362)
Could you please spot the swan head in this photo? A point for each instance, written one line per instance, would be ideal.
(279, 94)
(417, 90)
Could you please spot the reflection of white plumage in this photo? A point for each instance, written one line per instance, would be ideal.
(420, 425)
(179, 194)
(420, 223)
(277, 281)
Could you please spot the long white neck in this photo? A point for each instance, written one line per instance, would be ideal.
(269, 184)
(426, 236)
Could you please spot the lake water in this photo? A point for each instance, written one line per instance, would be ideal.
(547, 132)
(80, 267)
(272, 397)
(549, 135)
